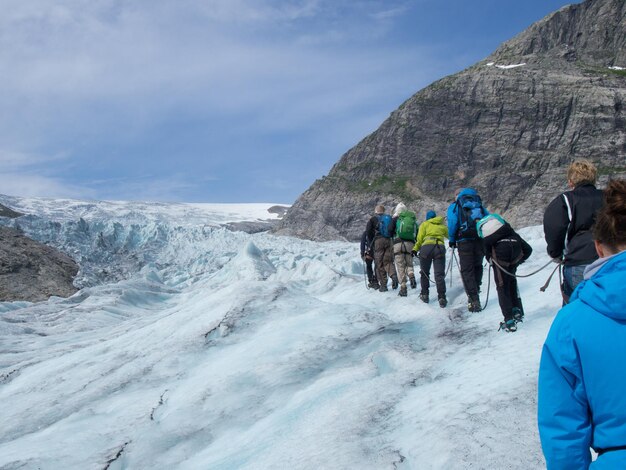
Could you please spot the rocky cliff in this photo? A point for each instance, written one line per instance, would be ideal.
(30, 270)
(508, 126)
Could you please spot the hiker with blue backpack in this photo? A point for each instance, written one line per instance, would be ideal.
(404, 226)
(379, 233)
(463, 213)
(430, 247)
(505, 250)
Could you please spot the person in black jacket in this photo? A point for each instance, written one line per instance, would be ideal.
(367, 255)
(505, 250)
(568, 221)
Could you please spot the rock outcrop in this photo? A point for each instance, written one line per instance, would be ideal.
(10, 213)
(30, 270)
(508, 126)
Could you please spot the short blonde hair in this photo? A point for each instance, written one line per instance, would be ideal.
(582, 172)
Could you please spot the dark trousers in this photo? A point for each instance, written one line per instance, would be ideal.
(371, 277)
(435, 255)
(508, 293)
(471, 254)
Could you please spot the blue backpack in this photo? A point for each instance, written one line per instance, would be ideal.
(384, 225)
(470, 211)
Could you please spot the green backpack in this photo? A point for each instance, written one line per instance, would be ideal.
(406, 226)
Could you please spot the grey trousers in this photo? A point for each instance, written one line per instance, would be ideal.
(435, 255)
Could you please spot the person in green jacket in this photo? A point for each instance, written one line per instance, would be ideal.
(432, 250)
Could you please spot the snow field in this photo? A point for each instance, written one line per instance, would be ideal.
(224, 350)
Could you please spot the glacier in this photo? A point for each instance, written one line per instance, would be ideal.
(192, 346)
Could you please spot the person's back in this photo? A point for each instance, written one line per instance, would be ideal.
(379, 231)
(505, 249)
(404, 229)
(431, 246)
(588, 342)
(463, 214)
(582, 385)
(367, 255)
(568, 221)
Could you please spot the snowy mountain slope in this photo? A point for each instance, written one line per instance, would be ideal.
(227, 350)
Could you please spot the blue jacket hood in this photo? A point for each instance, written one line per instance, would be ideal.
(603, 292)
(467, 191)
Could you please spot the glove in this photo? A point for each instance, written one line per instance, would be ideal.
(413, 253)
(556, 260)
(452, 244)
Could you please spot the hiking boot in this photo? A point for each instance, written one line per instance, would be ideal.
(473, 304)
(518, 315)
(383, 288)
(413, 282)
(394, 282)
(424, 298)
(374, 285)
(402, 292)
(509, 326)
(443, 302)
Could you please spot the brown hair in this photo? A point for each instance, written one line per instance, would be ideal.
(610, 226)
(582, 172)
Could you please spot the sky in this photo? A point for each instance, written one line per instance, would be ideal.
(227, 351)
(218, 100)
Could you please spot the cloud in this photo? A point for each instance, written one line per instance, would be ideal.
(29, 185)
(101, 83)
(152, 187)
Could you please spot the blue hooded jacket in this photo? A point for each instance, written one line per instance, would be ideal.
(582, 375)
(453, 216)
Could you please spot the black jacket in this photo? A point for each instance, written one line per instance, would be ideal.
(371, 230)
(510, 249)
(365, 244)
(567, 225)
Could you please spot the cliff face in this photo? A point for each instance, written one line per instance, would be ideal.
(30, 270)
(508, 126)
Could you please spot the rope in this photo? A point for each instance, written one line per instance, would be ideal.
(493, 260)
(427, 277)
(488, 287)
(458, 265)
(545, 286)
(449, 270)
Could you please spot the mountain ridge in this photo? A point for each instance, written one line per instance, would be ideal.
(508, 125)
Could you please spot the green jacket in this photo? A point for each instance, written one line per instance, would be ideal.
(431, 232)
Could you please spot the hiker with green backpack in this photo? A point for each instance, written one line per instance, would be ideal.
(505, 250)
(431, 246)
(404, 226)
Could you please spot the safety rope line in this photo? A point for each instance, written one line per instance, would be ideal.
(488, 288)
(493, 260)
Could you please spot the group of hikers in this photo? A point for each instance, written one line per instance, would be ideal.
(390, 242)
(582, 384)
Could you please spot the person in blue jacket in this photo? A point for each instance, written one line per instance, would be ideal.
(463, 214)
(582, 375)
